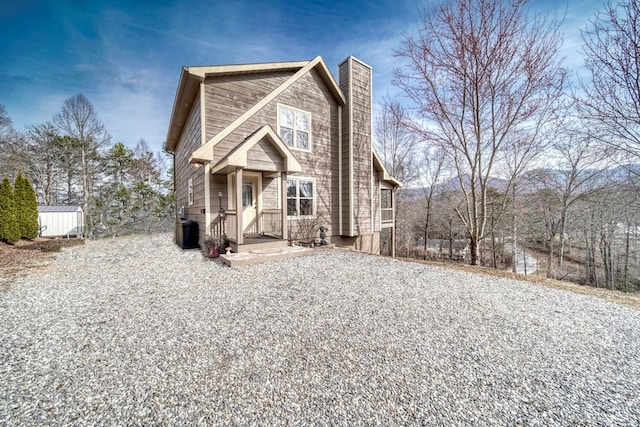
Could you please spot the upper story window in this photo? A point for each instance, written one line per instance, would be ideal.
(294, 127)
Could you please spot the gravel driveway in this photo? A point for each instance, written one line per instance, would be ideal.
(134, 331)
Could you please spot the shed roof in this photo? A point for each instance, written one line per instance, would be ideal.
(59, 208)
(378, 164)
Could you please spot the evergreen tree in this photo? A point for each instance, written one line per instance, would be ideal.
(26, 207)
(9, 230)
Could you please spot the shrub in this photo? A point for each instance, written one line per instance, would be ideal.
(26, 207)
(9, 229)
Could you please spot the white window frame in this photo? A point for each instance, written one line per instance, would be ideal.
(296, 111)
(297, 197)
(190, 191)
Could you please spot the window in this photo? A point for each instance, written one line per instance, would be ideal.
(247, 195)
(294, 127)
(386, 205)
(300, 197)
(190, 191)
(386, 201)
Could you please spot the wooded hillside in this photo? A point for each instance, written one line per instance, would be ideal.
(71, 161)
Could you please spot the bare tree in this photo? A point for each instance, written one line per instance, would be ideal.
(446, 223)
(79, 120)
(521, 151)
(395, 141)
(430, 173)
(578, 173)
(397, 145)
(69, 162)
(43, 144)
(608, 223)
(11, 154)
(479, 71)
(612, 95)
(6, 124)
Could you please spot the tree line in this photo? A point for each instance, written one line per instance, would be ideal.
(501, 146)
(70, 161)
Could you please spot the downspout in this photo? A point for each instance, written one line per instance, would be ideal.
(207, 166)
(371, 172)
(175, 201)
(207, 198)
(393, 229)
(340, 172)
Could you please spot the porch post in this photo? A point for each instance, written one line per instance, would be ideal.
(283, 205)
(238, 190)
(393, 229)
(393, 241)
(207, 198)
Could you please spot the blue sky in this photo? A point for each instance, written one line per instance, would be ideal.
(126, 56)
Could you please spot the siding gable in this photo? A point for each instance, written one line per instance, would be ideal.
(228, 97)
(264, 156)
(205, 153)
(264, 149)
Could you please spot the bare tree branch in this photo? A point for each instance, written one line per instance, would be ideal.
(480, 73)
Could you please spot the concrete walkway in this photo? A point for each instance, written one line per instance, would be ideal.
(264, 255)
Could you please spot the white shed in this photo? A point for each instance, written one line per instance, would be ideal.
(57, 221)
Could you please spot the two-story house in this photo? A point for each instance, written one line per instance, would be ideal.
(269, 152)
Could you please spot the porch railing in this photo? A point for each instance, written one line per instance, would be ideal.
(224, 226)
(271, 224)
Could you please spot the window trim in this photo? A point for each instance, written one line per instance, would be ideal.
(297, 198)
(295, 139)
(190, 192)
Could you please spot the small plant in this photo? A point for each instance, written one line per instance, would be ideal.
(212, 246)
(305, 230)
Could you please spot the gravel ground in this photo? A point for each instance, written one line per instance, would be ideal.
(134, 331)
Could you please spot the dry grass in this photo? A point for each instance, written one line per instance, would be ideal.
(631, 300)
(28, 254)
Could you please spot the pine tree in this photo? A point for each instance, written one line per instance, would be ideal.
(26, 207)
(9, 230)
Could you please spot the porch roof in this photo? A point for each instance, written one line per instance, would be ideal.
(384, 175)
(237, 158)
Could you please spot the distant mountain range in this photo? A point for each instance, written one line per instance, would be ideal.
(535, 179)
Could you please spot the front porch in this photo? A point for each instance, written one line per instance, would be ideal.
(251, 183)
(272, 239)
(256, 228)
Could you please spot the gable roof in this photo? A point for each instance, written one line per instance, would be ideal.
(191, 77)
(238, 156)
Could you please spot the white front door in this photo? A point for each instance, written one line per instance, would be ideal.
(250, 207)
